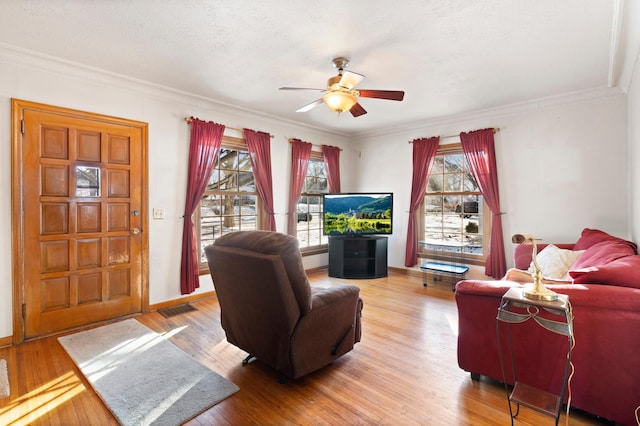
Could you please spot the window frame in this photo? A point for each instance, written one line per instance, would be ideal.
(237, 144)
(472, 259)
(315, 156)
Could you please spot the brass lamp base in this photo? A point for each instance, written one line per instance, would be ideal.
(537, 290)
(530, 292)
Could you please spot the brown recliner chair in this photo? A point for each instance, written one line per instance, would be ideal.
(269, 310)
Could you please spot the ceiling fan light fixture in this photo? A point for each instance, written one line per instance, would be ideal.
(340, 95)
(339, 101)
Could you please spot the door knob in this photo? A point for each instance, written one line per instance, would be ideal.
(135, 231)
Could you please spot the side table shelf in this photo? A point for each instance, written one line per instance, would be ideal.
(515, 308)
(445, 260)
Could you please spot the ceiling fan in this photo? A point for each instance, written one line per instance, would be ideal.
(340, 94)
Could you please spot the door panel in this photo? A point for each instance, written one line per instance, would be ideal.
(84, 177)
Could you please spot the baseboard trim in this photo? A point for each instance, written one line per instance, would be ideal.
(324, 268)
(182, 300)
(8, 340)
(406, 271)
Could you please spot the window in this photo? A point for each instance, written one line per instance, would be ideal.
(454, 218)
(309, 210)
(230, 202)
(87, 181)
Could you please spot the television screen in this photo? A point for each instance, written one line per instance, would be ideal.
(358, 213)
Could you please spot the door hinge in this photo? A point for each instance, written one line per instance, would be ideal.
(22, 126)
(24, 311)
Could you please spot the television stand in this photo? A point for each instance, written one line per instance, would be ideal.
(358, 257)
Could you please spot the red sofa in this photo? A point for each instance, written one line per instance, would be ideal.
(604, 292)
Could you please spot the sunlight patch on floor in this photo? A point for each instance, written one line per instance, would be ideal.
(453, 323)
(167, 335)
(32, 406)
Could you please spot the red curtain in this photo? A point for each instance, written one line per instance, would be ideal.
(206, 138)
(259, 145)
(424, 151)
(331, 156)
(479, 150)
(300, 153)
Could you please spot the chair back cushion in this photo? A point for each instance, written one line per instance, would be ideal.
(281, 245)
(259, 308)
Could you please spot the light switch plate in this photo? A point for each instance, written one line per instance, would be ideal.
(158, 213)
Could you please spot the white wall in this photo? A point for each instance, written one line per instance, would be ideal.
(563, 162)
(562, 166)
(634, 153)
(42, 80)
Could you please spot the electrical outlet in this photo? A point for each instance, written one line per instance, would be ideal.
(158, 213)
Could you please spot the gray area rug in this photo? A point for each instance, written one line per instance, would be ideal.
(142, 378)
(4, 379)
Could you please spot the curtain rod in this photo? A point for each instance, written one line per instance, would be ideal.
(495, 130)
(188, 120)
(317, 146)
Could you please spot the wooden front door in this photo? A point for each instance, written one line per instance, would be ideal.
(79, 216)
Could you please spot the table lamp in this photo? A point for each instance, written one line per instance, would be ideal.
(535, 290)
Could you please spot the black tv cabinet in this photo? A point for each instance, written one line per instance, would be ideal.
(358, 257)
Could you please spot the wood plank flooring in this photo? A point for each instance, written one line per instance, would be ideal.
(404, 372)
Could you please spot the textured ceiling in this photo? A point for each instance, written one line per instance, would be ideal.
(449, 56)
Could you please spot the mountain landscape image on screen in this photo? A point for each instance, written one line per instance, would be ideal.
(358, 214)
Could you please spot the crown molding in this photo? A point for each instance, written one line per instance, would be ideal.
(496, 113)
(614, 58)
(627, 56)
(65, 68)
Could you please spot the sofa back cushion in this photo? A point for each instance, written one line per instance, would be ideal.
(624, 272)
(591, 237)
(603, 253)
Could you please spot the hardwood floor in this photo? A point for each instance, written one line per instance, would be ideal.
(404, 372)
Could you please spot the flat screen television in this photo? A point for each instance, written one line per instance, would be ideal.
(358, 214)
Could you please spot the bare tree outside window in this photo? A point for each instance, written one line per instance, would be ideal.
(87, 181)
(309, 209)
(453, 208)
(230, 201)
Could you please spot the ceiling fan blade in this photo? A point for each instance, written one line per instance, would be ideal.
(392, 95)
(300, 88)
(357, 110)
(310, 106)
(350, 79)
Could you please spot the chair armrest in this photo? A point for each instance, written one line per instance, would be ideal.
(323, 296)
(328, 330)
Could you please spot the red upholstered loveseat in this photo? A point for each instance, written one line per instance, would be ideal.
(604, 292)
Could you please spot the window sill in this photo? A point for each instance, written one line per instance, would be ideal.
(203, 269)
(311, 251)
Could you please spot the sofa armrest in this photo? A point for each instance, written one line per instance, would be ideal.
(522, 253)
(606, 332)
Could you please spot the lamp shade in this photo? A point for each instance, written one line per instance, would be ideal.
(339, 101)
(522, 238)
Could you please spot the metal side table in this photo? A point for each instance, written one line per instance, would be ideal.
(522, 394)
